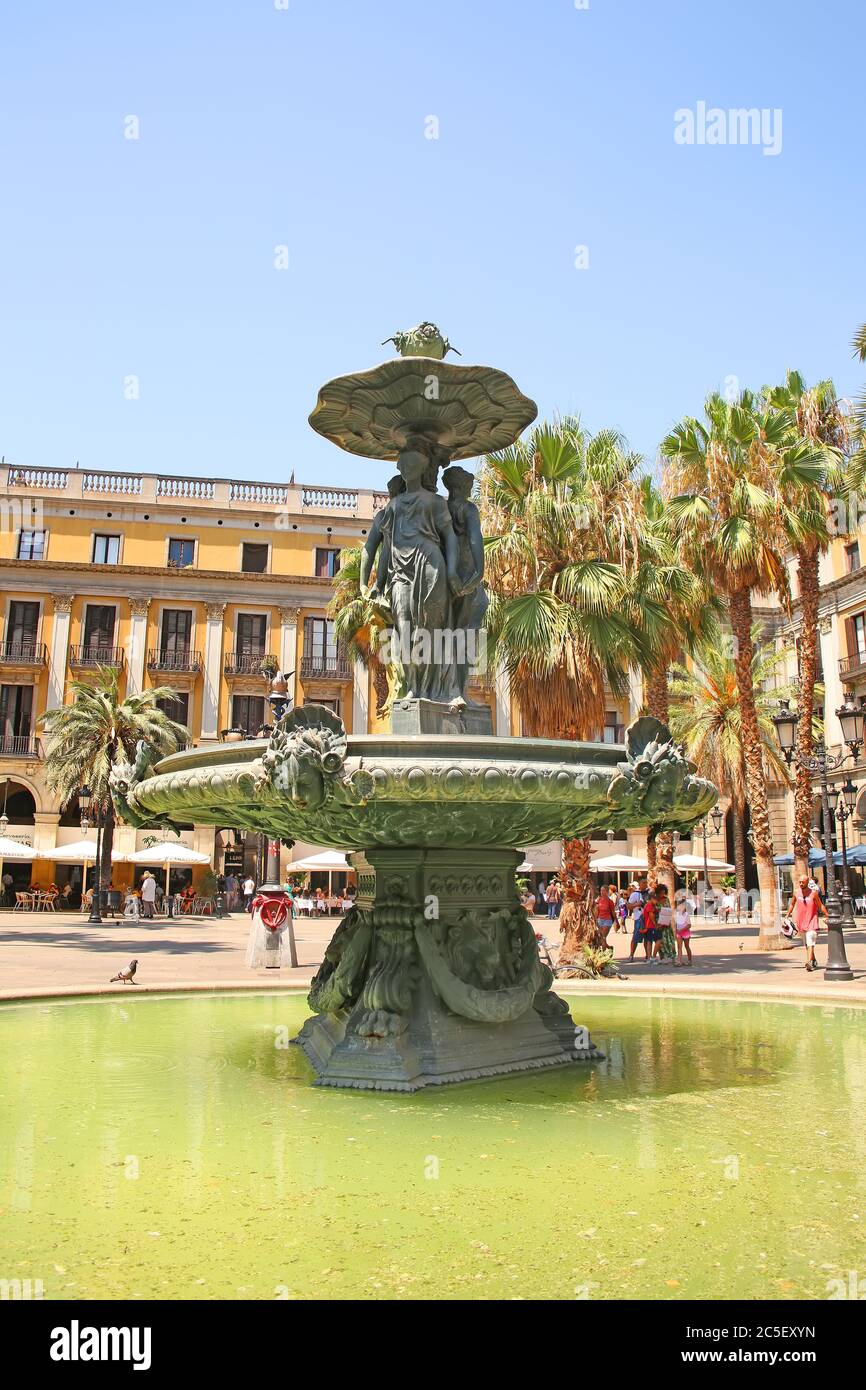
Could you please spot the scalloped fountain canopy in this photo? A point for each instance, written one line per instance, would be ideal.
(434, 975)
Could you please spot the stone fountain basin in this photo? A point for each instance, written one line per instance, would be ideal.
(393, 791)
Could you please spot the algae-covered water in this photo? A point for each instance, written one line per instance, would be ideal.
(172, 1147)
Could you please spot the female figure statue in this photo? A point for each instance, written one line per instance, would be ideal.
(422, 575)
(471, 602)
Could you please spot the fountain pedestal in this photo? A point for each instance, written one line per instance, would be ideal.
(435, 977)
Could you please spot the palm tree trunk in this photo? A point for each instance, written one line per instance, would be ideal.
(108, 823)
(769, 936)
(807, 570)
(577, 919)
(661, 857)
(739, 828)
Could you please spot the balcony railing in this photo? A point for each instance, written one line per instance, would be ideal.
(174, 660)
(96, 654)
(19, 746)
(335, 668)
(850, 667)
(244, 663)
(24, 653)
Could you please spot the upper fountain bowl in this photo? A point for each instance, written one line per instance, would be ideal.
(465, 410)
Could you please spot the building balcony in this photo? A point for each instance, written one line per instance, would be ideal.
(852, 668)
(95, 654)
(26, 654)
(20, 746)
(325, 668)
(245, 664)
(183, 661)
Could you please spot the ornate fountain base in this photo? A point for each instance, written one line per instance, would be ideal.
(434, 977)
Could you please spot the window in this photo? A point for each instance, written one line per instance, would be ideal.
(106, 550)
(327, 562)
(16, 709)
(248, 713)
(99, 625)
(254, 558)
(333, 705)
(181, 552)
(852, 557)
(857, 635)
(22, 628)
(252, 634)
(176, 631)
(320, 646)
(177, 709)
(31, 545)
(613, 730)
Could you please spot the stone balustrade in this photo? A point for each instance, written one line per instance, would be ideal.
(156, 488)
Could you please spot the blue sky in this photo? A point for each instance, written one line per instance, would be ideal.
(305, 127)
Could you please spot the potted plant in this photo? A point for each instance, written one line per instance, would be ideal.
(269, 666)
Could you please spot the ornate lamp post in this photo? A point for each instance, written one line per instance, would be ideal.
(821, 763)
(845, 808)
(85, 801)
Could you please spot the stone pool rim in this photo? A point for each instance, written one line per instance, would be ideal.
(840, 997)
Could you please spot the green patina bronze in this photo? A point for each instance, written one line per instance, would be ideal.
(434, 975)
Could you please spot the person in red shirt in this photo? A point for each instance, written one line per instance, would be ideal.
(804, 910)
(651, 933)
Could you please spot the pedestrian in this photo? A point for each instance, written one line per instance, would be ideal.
(554, 900)
(604, 914)
(231, 891)
(249, 887)
(541, 897)
(804, 909)
(683, 927)
(148, 893)
(8, 884)
(635, 906)
(650, 934)
(621, 910)
(666, 948)
(729, 904)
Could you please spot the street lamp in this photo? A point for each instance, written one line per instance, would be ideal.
(85, 802)
(820, 763)
(845, 808)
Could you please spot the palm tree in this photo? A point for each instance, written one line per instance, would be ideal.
(85, 737)
(819, 420)
(561, 514)
(358, 621)
(706, 718)
(692, 617)
(732, 518)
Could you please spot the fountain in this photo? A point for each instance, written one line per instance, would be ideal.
(434, 975)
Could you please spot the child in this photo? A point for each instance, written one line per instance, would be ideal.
(683, 926)
(651, 933)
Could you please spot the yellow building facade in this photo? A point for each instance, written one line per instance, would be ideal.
(185, 582)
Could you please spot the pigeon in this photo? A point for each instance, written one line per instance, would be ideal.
(126, 975)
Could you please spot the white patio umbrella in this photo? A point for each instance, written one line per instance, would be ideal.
(696, 861)
(326, 862)
(614, 862)
(79, 852)
(168, 852)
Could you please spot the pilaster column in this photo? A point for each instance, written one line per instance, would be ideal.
(502, 688)
(213, 655)
(135, 657)
(62, 606)
(360, 698)
(289, 619)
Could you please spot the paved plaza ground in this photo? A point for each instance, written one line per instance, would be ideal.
(44, 954)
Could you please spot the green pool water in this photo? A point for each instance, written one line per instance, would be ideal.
(172, 1147)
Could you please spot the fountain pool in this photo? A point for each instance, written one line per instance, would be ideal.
(171, 1146)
